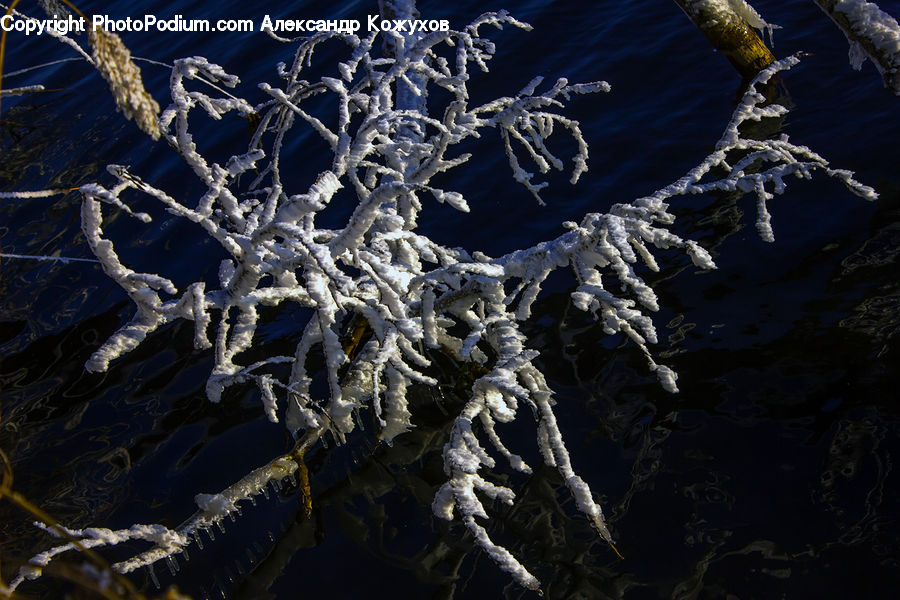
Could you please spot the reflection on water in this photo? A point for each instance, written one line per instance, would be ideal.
(770, 474)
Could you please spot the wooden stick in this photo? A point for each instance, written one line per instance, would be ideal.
(730, 34)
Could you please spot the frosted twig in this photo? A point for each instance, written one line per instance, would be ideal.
(871, 33)
(377, 269)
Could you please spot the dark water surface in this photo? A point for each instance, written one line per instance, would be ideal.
(771, 475)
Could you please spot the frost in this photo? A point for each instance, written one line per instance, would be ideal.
(749, 14)
(408, 294)
(871, 33)
(214, 504)
(856, 54)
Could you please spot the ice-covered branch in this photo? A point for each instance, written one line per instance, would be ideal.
(871, 33)
(403, 291)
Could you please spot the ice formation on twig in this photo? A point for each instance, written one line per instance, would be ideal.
(754, 19)
(871, 33)
(27, 89)
(412, 293)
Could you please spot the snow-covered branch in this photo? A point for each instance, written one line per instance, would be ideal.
(871, 33)
(410, 292)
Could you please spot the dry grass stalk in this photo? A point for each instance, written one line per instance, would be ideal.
(113, 59)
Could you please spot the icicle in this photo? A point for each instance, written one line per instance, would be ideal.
(172, 563)
(152, 575)
(357, 418)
